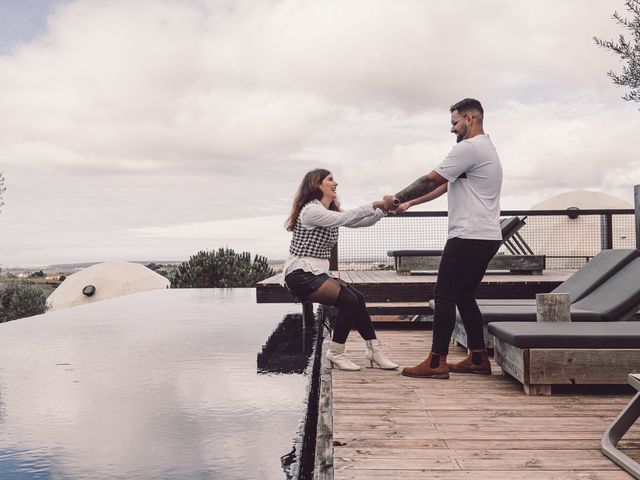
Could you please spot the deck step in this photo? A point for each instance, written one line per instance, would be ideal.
(399, 308)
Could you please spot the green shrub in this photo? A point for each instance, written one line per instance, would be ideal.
(19, 300)
(223, 268)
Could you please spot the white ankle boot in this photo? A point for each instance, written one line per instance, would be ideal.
(376, 357)
(338, 359)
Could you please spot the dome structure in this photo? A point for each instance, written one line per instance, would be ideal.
(582, 199)
(569, 240)
(103, 281)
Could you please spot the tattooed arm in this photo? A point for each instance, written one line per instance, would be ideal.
(422, 186)
(438, 192)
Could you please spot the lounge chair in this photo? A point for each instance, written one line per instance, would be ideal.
(617, 298)
(593, 274)
(521, 260)
(511, 238)
(542, 354)
(619, 427)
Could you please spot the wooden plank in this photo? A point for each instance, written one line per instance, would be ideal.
(512, 263)
(369, 276)
(323, 465)
(518, 263)
(420, 474)
(534, 460)
(553, 307)
(387, 286)
(510, 358)
(467, 427)
(399, 308)
(582, 366)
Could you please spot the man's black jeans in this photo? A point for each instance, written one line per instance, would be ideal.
(464, 263)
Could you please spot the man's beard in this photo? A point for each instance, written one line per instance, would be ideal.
(461, 135)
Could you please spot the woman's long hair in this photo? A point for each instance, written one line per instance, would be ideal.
(309, 190)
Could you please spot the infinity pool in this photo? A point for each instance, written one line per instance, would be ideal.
(167, 384)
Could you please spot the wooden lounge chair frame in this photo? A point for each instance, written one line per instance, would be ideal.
(540, 368)
(538, 365)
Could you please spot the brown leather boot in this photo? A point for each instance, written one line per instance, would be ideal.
(430, 368)
(467, 365)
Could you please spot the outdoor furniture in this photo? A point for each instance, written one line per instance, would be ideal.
(593, 274)
(511, 238)
(542, 354)
(616, 299)
(521, 260)
(407, 262)
(623, 422)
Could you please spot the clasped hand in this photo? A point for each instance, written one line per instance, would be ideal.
(390, 204)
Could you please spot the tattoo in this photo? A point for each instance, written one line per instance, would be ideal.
(420, 187)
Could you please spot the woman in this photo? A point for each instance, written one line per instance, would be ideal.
(314, 221)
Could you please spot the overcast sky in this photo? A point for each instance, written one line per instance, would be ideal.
(152, 129)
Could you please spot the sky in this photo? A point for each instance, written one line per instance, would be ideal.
(153, 129)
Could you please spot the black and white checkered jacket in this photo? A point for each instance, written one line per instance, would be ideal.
(316, 242)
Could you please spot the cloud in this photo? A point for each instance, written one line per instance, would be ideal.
(214, 85)
(265, 235)
(162, 113)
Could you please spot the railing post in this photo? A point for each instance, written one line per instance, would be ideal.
(606, 231)
(636, 195)
(333, 260)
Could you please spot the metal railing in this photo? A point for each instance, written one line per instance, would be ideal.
(568, 238)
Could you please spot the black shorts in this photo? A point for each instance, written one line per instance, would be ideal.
(301, 284)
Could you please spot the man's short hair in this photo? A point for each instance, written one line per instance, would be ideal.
(467, 105)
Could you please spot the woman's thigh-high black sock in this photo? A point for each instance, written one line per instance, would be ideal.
(348, 305)
(363, 322)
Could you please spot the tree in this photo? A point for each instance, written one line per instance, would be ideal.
(2, 190)
(224, 268)
(628, 51)
(19, 300)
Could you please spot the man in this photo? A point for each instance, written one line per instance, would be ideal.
(473, 175)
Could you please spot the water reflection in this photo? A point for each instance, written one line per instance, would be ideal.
(289, 346)
(156, 385)
(288, 351)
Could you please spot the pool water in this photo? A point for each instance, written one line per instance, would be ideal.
(167, 384)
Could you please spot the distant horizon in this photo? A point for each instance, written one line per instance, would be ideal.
(71, 265)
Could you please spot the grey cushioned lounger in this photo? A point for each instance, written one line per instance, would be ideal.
(617, 296)
(593, 274)
(527, 313)
(568, 335)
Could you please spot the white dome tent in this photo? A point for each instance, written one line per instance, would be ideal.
(103, 281)
(576, 235)
(582, 199)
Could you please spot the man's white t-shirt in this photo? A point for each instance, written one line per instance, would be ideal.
(474, 173)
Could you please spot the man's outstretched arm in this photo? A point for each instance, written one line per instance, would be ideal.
(423, 185)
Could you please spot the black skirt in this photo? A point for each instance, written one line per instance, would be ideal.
(301, 284)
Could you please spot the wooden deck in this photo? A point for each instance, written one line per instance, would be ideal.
(388, 286)
(468, 427)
